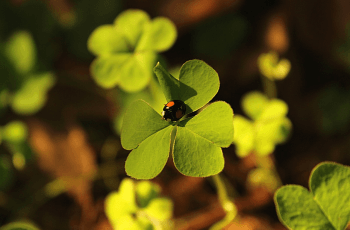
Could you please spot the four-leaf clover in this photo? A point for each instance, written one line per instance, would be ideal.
(269, 127)
(127, 50)
(195, 142)
(138, 206)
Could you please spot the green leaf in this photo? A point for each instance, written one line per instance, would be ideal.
(140, 122)
(146, 191)
(253, 104)
(159, 35)
(326, 207)
(214, 123)
(122, 203)
(273, 68)
(20, 49)
(136, 72)
(299, 211)
(32, 95)
(198, 84)
(274, 109)
(168, 83)
(106, 70)
(160, 209)
(14, 132)
(131, 24)
(19, 225)
(106, 40)
(330, 184)
(244, 137)
(150, 157)
(196, 156)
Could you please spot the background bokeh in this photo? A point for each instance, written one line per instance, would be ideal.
(60, 151)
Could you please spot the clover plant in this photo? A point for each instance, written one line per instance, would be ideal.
(273, 68)
(22, 85)
(19, 225)
(324, 207)
(195, 142)
(268, 125)
(13, 136)
(138, 205)
(127, 50)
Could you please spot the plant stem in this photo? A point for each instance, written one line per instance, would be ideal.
(226, 203)
(269, 87)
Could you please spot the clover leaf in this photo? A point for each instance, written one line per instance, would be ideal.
(14, 137)
(138, 206)
(127, 50)
(273, 68)
(269, 125)
(195, 142)
(20, 225)
(326, 206)
(23, 87)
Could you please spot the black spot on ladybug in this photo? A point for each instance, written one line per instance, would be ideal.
(174, 110)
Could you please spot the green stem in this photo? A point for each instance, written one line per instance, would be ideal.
(269, 87)
(226, 203)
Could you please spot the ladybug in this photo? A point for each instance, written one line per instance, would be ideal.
(173, 110)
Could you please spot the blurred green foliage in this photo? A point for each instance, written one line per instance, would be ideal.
(127, 50)
(271, 67)
(138, 206)
(19, 225)
(269, 125)
(22, 86)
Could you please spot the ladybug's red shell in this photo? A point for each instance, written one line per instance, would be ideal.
(174, 110)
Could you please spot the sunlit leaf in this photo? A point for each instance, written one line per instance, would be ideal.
(149, 158)
(19, 225)
(159, 35)
(324, 207)
(146, 191)
(160, 208)
(140, 122)
(106, 40)
(196, 156)
(122, 203)
(253, 104)
(244, 137)
(131, 23)
(273, 68)
(32, 95)
(15, 131)
(20, 49)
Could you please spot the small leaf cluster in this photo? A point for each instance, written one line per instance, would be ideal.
(127, 50)
(138, 206)
(324, 207)
(13, 136)
(268, 125)
(22, 86)
(195, 142)
(271, 67)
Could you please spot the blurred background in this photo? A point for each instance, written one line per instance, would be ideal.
(60, 153)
